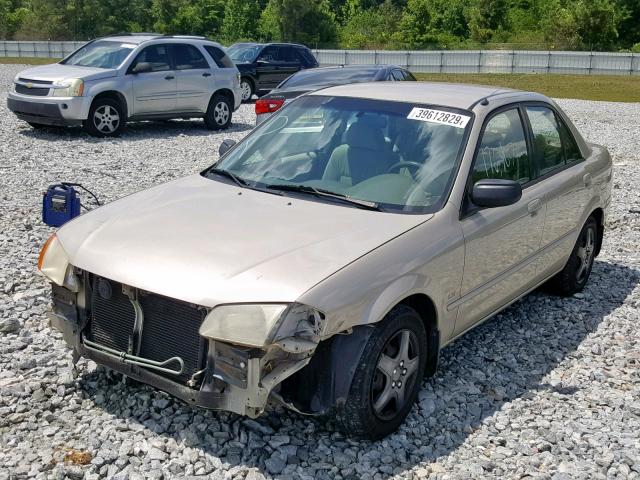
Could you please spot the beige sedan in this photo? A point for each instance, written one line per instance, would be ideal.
(324, 261)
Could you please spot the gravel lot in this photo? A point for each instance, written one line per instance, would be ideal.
(548, 389)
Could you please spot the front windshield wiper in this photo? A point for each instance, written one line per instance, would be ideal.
(319, 192)
(226, 173)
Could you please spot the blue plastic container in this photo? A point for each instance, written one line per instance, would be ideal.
(60, 204)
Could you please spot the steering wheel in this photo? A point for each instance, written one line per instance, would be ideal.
(412, 166)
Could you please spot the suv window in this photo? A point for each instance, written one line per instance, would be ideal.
(503, 150)
(288, 54)
(398, 75)
(269, 54)
(188, 57)
(222, 59)
(547, 145)
(156, 55)
(307, 56)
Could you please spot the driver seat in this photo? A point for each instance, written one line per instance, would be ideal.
(362, 155)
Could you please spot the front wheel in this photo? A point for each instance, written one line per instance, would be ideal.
(575, 274)
(106, 118)
(387, 379)
(218, 116)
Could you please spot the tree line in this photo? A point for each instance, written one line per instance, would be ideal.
(354, 24)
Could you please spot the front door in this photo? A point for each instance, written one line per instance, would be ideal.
(195, 78)
(154, 91)
(501, 244)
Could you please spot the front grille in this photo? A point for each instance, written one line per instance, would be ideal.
(170, 327)
(41, 82)
(38, 92)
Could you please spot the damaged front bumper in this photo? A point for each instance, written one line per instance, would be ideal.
(239, 379)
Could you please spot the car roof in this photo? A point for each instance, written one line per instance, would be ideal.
(258, 44)
(435, 93)
(136, 38)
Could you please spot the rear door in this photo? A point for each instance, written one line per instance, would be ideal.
(154, 91)
(561, 170)
(272, 66)
(194, 78)
(501, 244)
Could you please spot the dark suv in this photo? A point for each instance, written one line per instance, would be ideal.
(264, 65)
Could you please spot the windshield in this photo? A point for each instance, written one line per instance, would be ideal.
(330, 76)
(101, 54)
(400, 156)
(243, 53)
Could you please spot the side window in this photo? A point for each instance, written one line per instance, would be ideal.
(307, 56)
(547, 145)
(397, 75)
(288, 54)
(156, 55)
(222, 59)
(571, 150)
(188, 57)
(503, 150)
(269, 54)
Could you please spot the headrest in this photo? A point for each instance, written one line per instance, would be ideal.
(362, 134)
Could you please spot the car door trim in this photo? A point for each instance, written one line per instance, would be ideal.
(506, 273)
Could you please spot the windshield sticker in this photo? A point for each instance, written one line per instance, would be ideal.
(439, 116)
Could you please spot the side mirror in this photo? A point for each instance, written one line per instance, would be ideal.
(142, 67)
(226, 145)
(491, 193)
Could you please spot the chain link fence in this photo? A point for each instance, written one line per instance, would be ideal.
(430, 61)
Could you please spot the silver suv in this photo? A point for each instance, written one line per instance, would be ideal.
(113, 80)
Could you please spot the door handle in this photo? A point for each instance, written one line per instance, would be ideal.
(169, 77)
(533, 206)
(206, 74)
(587, 179)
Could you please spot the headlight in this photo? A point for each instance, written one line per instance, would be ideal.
(70, 88)
(53, 262)
(261, 325)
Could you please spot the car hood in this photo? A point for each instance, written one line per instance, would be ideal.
(57, 72)
(208, 242)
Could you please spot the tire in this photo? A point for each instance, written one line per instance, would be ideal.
(219, 113)
(106, 118)
(575, 274)
(247, 89)
(386, 382)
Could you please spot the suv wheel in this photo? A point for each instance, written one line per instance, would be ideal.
(106, 118)
(246, 89)
(573, 278)
(218, 116)
(387, 378)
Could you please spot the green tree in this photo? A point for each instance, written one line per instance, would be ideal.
(371, 28)
(486, 17)
(597, 23)
(305, 21)
(240, 20)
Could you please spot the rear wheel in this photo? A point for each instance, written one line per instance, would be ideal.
(387, 379)
(246, 89)
(575, 275)
(106, 118)
(219, 113)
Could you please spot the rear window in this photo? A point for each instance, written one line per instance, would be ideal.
(221, 58)
(330, 76)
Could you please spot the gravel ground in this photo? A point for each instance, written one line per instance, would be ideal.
(548, 389)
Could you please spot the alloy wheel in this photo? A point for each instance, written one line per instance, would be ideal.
(395, 374)
(106, 119)
(245, 90)
(585, 253)
(221, 113)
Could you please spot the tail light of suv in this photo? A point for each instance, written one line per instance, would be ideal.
(268, 105)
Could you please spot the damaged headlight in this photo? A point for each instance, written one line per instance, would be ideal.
(54, 264)
(266, 324)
